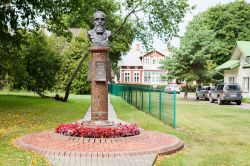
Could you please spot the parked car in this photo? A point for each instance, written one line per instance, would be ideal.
(170, 88)
(203, 92)
(226, 93)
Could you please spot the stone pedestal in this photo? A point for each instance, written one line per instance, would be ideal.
(99, 75)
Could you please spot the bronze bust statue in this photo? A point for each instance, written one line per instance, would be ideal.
(99, 35)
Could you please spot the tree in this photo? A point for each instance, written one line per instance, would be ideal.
(21, 14)
(161, 17)
(230, 23)
(70, 58)
(191, 61)
(35, 65)
(210, 42)
(148, 17)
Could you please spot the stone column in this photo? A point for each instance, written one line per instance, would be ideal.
(99, 76)
(99, 86)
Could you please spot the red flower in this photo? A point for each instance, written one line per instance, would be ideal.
(79, 130)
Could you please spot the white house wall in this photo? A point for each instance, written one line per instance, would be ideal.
(238, 74)
(243, 73)
(231, 73)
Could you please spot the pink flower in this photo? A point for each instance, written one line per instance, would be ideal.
(79, 130)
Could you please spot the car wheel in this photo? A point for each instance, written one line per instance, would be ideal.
(219, 101)
(197, 97)
(211, 100)
(238, 102)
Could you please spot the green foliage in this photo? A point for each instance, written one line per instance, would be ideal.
(35, 65)
(70, 57)
(21, 14)
(230, 23)
(190, 62)
(246, 100)
(156, 17)
(209, 40)
(161, 18)
(191, 88)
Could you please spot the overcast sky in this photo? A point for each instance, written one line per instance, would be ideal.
(201, 5)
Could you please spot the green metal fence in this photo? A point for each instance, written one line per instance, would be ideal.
(153, 101)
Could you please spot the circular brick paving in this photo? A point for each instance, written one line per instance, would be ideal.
(56, 144)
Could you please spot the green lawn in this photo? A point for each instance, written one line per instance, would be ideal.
(151, 104)
(25, 113)
(213, 134)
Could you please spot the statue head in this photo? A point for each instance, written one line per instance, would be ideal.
(99, 35)
(99, 20)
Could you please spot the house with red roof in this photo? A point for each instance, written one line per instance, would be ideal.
(138, 67)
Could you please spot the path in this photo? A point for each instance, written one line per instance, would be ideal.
(111, 115)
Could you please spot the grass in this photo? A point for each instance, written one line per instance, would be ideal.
(24, 113)
(213, 134)
(151, 104)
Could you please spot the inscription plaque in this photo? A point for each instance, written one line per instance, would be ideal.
(100, 71)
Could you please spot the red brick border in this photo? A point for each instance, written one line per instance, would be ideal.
(148, 142)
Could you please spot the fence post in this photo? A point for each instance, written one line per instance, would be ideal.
(149, 100)
(160, 109)
(127, 95)
(136, 97)
(174, 109)
(131, 95)
(142, 99)
(123, 92)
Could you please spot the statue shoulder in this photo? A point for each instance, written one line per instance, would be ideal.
(108, 32)
(91, 32)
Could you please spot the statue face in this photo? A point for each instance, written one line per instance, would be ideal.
(99, 22)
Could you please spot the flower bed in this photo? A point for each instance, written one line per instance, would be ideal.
(79, 130)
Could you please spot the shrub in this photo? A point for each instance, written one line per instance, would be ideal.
(191, 88)
(245, 100)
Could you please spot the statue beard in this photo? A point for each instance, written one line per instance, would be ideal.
(99, 29)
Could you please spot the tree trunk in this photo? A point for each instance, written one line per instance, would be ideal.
(198, 85)
(186, 92)
(67, 89)
(42, 95)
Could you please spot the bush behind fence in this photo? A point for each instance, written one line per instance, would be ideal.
(156, 102)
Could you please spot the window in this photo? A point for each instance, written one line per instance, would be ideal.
(231, 79)
(232, 87)
(146, 76)
(127, 77)
(247, 60)
(147, 61)
(154, 61)
(160, 61)
(136, 76)
(155, 77)
(220, 87)
(245, 85)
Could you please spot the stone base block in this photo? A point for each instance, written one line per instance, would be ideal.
(99, 123)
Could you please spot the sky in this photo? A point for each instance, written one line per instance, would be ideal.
(201, 5)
